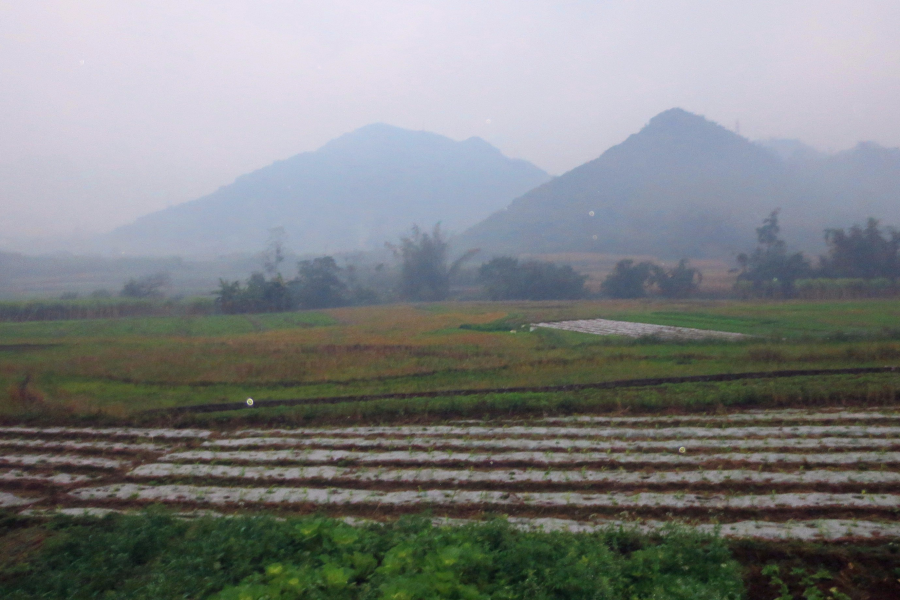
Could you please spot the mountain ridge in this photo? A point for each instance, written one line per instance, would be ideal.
(355, 192)
(684, 186)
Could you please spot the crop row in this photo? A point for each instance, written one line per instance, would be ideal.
(110, 432)
(773, 415)
(817, 529)
(343, 496)
(595, 432)
(16, 475)
(59, 459)
(474, 428)
(723, 470)
(536, 458)
(556, 443)
(78, 445)
(460, 476)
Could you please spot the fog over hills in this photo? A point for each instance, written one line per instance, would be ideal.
(685, 186)
(355, 192)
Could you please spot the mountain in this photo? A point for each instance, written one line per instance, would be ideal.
(684, 186)
(355, 192)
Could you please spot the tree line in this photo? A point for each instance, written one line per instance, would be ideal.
(865, 257)
(424, 275)
(860, 261)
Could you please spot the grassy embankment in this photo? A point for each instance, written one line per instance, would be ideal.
(119, 367)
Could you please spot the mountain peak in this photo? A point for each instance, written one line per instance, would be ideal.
(675, 117)
(679, 123)
(383, 136)
(681, 186)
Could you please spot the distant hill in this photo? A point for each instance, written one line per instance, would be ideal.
(355, 192)
(685, 186)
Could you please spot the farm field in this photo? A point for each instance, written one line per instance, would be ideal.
(810, 474)
(777, 484)
(117, 369)
(402, 409)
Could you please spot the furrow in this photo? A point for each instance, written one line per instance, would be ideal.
(536, 458)
(782, 415)
(596, 432)
(17, 476)
(110, 432)
(57, 459)
(74, 445)
(815, 530)
(8, 500)
(510, 476)
(554, 444)
(819, 529)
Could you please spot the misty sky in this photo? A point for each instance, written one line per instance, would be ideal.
(113, 109)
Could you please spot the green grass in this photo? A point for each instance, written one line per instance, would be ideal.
(156, 556)
(199, 326)
(871, 390)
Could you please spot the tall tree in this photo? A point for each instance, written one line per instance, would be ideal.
(863, 252)
(505, 278)
(424, 274)
(318, 284)
(628, 280)
(680, 282)
(769, 269)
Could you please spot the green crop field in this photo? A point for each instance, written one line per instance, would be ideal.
(118, 368)
(426, 359)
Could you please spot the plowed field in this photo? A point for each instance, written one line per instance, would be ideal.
(817, 474)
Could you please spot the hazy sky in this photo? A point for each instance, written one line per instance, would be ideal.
(112, 109)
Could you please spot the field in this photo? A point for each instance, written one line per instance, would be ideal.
(794, 471)
(112, 369)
